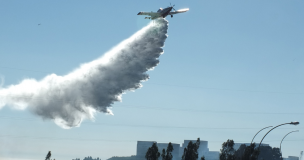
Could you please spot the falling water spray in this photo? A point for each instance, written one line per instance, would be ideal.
(94, 86)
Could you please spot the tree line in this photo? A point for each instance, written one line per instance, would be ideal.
(190, 152)
(250, 152)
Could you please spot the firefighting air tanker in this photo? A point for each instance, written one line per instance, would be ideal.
(162, 13)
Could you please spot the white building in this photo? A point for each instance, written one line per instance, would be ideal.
(142, 147)
(178, 150)
(175, 151)
(203, 150)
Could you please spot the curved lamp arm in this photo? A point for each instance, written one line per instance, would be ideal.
(259, 132)
(284, 138)
(294, 123)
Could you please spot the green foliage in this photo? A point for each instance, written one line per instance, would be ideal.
(227, 151)
(276, 153)
(152, 153)
(163, 155)
(90, 158)
(252, 153)
(133, 157)
(239, 154)
(266, 152)
(48, 156)
(247, 152)
(167, 154)
(190, 153)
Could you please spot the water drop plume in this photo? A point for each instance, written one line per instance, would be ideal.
(94, 86)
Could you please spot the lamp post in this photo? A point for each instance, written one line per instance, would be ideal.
(255, 136)
(293, 123)
(258, 133)
(283, 139)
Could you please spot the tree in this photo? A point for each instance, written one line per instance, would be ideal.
(276, 153)
(152, 153)
(48, 156)
(239, 154)
(190, 153)
(167, 154)
(227, 151)
(266, 152)
(251, 152)
(247, 152)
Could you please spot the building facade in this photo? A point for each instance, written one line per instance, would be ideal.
(142, 147)
(178, 150)
(238, 145)
(175, 152)
(291, 158)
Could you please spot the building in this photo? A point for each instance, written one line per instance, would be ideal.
(212, 155)
(178, 150)
(203, 147)
(143, 146)
(203, 150)
(175, 152)
(237, 145)
(291, 158)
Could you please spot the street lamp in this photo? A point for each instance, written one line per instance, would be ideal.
(284, 138)
(293, 123)
(259, 132)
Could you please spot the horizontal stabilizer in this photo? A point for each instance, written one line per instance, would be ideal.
(147, 17)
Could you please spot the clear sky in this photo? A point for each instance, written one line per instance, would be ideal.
(229, 69)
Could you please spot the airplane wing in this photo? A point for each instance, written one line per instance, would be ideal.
(152, 14)
(179, 11)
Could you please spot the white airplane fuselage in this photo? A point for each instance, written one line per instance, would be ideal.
(162, 13)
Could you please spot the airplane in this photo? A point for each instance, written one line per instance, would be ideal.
(162, 13)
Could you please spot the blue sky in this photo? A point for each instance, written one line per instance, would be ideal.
(229, 69)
